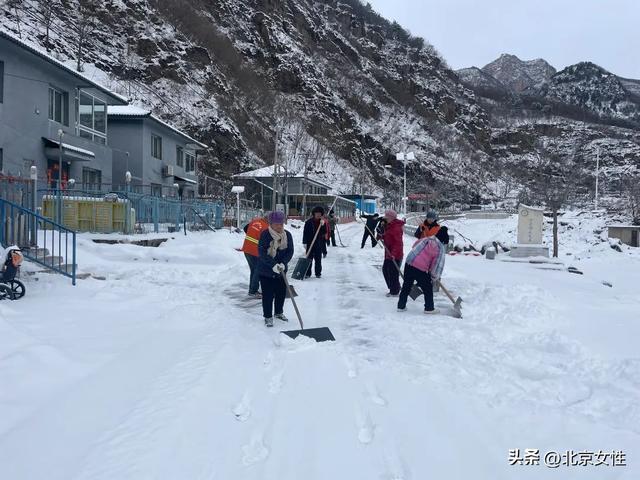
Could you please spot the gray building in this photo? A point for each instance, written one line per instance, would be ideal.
(156, 154)
(39, 97)
(302, 193)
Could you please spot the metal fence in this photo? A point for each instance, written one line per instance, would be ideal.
(161, 214)
(41, 240)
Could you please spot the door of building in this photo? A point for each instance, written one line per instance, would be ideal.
(53, 168)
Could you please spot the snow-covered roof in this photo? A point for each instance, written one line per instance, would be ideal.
(267, 171)
(132, 111)
(72, 148)
(45, 56)
(624, 226)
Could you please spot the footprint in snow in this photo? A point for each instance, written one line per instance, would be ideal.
(366, 427)
(255, 451)
(275, 385)
(242, 411)
(374, 395)
(395, 467)
(268, 360)
(352, 370)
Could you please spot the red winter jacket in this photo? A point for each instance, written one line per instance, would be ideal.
(392, 239)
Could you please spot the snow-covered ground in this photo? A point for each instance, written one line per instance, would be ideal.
(165, 370)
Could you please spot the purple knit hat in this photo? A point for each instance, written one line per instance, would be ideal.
(391, 214)
(276, 217)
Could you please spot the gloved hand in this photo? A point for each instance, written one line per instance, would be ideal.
(322, 222)
(278, 268)
(434, 279)
(304, 247)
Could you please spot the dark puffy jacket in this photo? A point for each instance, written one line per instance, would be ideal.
(309, 232)
(372, 221)
(392, 239)
(266, 261)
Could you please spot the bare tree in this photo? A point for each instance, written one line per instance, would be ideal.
(16, 6)
(47, 10)
(552, 181)
(86, 21)
(631, 194)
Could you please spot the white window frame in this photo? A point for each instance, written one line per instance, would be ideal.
(180, 156)
(52, 105)
(154, 151)
(95, 134)
(189, 162)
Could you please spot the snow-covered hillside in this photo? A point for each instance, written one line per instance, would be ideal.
(165, 370)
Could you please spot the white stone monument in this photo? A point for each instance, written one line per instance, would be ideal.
(530, 225)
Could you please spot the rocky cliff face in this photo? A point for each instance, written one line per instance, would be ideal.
(333, 76)
(343, 88)
(519, 75)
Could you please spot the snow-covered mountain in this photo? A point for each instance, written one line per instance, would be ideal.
(229, 71)
(517, 74)
(344, 88)
(594, 89)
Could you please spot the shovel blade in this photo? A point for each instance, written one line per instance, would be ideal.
(415, 292)
(320, 334)
(293, 292)
(301, 268)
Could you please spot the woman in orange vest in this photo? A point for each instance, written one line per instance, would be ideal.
(253, 231)
(431, 228)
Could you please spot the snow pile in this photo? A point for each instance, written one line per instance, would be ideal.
(165, 369)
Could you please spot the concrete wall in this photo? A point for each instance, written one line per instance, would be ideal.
(24, 115)
(126, 136)
(486, 215)
(626, 235)
(134, 136)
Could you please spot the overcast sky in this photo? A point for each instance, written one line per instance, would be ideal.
(563, 32)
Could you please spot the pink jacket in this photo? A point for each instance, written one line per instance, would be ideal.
(427, 259)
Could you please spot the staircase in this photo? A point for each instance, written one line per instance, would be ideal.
(42, 241)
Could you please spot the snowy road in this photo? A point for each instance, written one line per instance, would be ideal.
(165, 371)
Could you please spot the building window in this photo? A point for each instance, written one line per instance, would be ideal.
(190, 160)
(156, 147)
(156, 190)
(58, 106)
(179, 156)
(92, 118)
(91, 179)
(1, 81)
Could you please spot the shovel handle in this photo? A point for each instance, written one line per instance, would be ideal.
(387, 250)
(295, 305)
(447, 293)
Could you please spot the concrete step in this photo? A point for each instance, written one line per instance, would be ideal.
(39, 252)
(54, 260)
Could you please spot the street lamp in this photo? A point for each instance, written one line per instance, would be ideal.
(34, 178)
(403, 157)
(60, 152)
(238, 189)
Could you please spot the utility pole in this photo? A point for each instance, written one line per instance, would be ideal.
(304, 187)
(597, 173)
(274, 195)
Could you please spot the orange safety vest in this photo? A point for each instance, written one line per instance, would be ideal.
(254, 230)
(429, 231)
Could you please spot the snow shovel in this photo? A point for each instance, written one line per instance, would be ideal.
(457, 303)
(340, 239)
(416, 291)
(300, 271)
(321, 334)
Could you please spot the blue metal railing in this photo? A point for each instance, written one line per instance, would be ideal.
(155, 211)
(41, 240)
